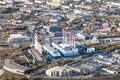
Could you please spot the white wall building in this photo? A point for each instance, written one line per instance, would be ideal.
(53, 52)
(38, 45)
(11, 66)
(116, 56)
(18, 38)
(58, 72)
(90, 50)
(82, 36)
(110, 71)
(66, 49)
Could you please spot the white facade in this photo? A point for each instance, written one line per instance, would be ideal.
(53, 4)
(58, 72)
(110, 71)
(17, 38)
(90, 50)
(51, 51)
(38, 1)
(38, 45)
(101, 61)
(116, 56)
(13, 67)
(66, 49)
(1, 72)
(81, 36)
(53, 20)
(13, 70)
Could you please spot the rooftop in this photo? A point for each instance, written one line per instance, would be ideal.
(102, 54)
(63, 45)
(58, 68)
(17, 36)
(11, 64)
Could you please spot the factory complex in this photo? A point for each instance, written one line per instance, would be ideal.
(46, 39)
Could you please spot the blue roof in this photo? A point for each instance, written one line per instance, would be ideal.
(102, 54)
(82, 46)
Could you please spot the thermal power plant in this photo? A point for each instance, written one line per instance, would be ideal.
(38, 46)
(67, 48)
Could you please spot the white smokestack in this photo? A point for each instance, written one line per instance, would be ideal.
(38, 45)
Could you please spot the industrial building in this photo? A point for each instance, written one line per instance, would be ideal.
(38, 45)
(55, 31)
(82, 36)
(91, 50)
(117, 55)
(57, 2)
(66, 49)
(37, 51)
(18, 38)
(58, 72)
(102, 55)
(103, 61)
(110, 71)
(84, 67)
(11, 66)
(54, 53)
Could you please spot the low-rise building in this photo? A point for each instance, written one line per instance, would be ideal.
(84, 68)
(55, 31)
(18, 38)
(11, 66)
(66, 49)
(102, 61)
(82, 36)
(90, 50)
(19, 15)
(102, 55)
(1, 72)
(58, 72)
(110, 71)
(116, 56)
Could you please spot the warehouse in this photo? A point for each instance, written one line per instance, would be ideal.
(84, 68)
(18, 38)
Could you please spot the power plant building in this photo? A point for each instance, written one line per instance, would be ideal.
(37, 51)
(54, 53)
(38, 46)
(18, 38)
(66, 49)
